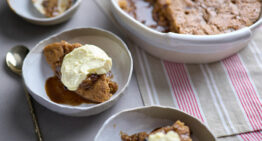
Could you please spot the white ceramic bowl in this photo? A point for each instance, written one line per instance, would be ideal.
(36, 70)
(180, 47)
(26, 10)
(147, 119)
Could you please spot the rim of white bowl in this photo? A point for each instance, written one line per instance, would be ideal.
(46, 19)
(188, 37)
(118, 93)
(147, 107)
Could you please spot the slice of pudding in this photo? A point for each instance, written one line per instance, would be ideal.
(84, 70)
(52, 8)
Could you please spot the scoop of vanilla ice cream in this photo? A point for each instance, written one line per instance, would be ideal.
(82, 61)
(160, 136)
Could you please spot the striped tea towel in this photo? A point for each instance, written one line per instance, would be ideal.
(226, 95)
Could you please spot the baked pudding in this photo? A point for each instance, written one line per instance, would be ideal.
(196, 17)
(176, 132)
(82, 74)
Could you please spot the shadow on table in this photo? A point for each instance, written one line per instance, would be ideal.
(15, 28)
(58, 127)
(54, 126)
(18, 116)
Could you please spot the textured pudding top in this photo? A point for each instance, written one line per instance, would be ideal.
(197, 17)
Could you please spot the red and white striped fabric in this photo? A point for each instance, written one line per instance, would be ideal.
(182, 89)
(239, 78)
(232, 85)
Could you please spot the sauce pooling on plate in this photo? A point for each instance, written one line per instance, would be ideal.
(59, 94)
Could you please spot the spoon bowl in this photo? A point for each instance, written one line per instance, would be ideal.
(15, 58)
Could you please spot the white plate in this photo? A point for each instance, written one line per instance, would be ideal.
(36, 70)
(26, 10)
(147, 119)
(183, 48)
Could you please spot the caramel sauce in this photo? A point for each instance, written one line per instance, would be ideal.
(59, 94)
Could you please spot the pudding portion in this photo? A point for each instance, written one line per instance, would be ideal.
(197, 17)
(52, 8)
(177, 132)
(92, 86)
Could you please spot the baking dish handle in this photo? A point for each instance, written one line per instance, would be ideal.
(256, 25)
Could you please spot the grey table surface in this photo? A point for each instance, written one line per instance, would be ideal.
(15, 120)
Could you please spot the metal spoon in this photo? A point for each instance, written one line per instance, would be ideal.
(14, 61)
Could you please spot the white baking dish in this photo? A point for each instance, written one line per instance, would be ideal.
(180, 47)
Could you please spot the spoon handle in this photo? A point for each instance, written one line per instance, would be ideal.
(34, 118)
